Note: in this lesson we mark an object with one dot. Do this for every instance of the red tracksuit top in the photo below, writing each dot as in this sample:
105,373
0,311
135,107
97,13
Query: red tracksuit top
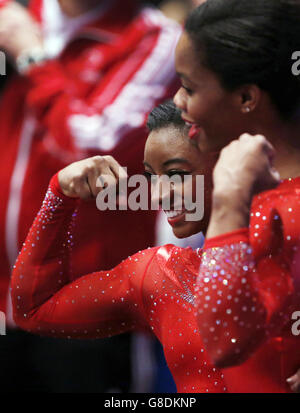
230,302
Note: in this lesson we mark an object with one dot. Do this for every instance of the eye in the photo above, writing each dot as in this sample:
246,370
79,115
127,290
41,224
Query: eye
148,175
152,178
188,90
173,172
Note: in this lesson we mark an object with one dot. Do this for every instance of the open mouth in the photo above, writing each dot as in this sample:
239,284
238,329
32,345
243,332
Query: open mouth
194,131
194,128
175,216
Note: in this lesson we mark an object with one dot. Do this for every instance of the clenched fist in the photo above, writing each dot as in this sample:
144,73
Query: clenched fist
245,168
85,179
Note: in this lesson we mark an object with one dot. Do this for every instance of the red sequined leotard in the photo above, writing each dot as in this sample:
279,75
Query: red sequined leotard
156,289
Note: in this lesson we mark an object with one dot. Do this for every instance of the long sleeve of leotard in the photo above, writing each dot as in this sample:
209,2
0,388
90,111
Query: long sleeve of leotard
46,302
247,283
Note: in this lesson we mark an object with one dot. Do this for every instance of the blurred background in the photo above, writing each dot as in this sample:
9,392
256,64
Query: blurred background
43,128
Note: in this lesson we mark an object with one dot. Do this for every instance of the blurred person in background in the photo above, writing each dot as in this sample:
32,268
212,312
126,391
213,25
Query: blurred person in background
80,65
178,10
254,41
196,3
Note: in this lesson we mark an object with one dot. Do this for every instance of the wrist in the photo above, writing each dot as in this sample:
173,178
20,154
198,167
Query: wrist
55,187
237,200
229,213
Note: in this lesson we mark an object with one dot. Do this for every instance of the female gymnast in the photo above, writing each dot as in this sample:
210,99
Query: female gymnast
237,61
154,289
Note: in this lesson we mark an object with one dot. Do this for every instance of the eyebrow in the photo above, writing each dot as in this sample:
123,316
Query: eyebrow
170,161
175,160
183,76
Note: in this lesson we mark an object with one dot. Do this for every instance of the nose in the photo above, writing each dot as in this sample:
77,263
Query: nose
161,193
179,99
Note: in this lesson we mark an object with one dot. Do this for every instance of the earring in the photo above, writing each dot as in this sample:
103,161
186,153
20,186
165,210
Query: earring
247,109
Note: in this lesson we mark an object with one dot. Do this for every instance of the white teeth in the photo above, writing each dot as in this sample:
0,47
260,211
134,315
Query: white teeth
173,214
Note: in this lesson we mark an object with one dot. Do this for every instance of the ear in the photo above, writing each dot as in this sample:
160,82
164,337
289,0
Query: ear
248,98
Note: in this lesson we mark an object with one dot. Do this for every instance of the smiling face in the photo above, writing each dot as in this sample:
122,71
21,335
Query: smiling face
204,101
169,152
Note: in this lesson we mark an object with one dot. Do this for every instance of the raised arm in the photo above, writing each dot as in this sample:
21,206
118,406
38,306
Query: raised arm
241,301
243,292
45,301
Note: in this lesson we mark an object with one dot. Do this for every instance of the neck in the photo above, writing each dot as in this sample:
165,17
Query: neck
285,137
74,8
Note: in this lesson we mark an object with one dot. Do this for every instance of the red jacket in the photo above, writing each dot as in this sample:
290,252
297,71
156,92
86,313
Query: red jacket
93,99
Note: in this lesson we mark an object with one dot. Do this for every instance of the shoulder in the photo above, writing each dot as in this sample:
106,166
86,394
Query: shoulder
175,261
167,258
161,255
287,191
173,270
141,257
276,211
172,253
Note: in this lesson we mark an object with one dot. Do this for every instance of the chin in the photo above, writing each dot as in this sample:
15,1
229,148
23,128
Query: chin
186,230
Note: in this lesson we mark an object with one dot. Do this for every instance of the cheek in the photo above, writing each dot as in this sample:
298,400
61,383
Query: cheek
177,195
207,106
189,191
198,108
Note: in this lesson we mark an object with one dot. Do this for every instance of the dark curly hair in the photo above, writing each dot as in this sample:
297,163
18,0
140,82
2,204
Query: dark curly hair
251,42
165,115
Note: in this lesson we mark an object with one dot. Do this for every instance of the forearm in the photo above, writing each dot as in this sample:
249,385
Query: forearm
48,302
230,212
43,265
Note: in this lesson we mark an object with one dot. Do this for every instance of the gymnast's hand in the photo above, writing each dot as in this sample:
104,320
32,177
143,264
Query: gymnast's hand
245,168
85,179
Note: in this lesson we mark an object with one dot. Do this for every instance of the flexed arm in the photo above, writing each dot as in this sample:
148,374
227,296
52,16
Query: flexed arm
240,302
45,301
242,295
